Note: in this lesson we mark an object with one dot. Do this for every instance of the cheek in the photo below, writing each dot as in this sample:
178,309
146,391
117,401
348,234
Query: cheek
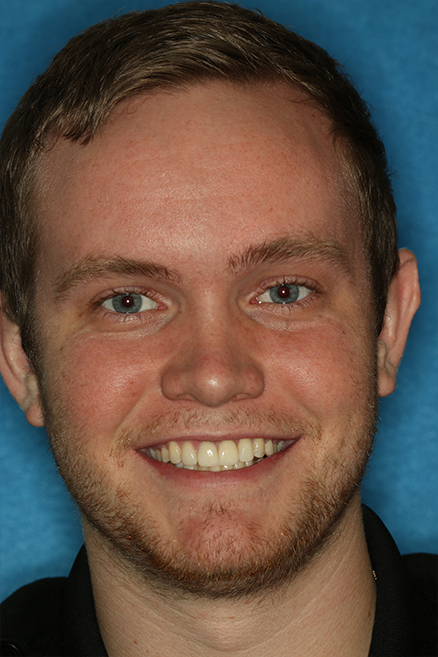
327,370
99,382
327,377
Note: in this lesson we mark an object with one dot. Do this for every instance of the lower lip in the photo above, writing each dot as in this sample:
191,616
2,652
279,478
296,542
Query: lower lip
204,479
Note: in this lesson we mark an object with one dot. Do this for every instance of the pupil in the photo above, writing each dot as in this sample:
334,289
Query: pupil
127,301
283,291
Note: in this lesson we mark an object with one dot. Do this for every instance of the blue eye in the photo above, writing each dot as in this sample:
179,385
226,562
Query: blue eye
284,293
129,303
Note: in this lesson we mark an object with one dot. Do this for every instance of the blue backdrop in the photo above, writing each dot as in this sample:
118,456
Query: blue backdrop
390,47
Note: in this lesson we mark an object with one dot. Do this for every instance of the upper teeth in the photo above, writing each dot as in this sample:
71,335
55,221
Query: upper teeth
216,456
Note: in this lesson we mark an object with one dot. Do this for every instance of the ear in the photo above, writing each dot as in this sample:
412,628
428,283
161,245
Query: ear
17,371
402,304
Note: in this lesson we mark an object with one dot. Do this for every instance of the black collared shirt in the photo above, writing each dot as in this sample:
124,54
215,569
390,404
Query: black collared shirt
56,617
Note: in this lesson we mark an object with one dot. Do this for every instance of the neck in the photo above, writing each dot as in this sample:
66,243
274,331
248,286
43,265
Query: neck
327,609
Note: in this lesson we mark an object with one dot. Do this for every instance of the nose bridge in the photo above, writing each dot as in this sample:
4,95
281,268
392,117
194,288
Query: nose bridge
212,364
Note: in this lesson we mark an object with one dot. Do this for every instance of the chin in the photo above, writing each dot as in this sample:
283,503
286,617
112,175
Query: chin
223,554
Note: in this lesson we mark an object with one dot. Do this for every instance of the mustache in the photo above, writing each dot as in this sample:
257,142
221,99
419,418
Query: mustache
282,424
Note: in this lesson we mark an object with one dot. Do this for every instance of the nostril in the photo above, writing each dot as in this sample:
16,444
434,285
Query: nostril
212,381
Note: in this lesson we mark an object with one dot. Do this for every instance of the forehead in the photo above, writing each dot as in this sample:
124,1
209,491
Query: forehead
212,161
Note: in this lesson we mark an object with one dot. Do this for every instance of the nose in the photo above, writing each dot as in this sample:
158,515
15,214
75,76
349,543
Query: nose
212,368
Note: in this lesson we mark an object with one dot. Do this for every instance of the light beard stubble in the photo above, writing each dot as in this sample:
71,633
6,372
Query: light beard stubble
268,564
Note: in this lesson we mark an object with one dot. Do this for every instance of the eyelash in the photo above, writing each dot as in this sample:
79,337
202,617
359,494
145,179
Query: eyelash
264,287
98,303
284,280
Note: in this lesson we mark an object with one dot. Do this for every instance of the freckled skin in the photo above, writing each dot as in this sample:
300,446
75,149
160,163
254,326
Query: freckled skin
187,180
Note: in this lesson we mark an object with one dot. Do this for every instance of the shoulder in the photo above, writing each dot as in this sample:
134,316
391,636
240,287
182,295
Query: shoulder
407,590
422,569
32,619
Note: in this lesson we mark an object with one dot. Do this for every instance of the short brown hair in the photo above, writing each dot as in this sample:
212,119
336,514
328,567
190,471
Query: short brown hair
170,47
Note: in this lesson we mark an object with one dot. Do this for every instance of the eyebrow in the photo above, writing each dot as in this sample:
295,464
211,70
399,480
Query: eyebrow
308,247
94,267
285,248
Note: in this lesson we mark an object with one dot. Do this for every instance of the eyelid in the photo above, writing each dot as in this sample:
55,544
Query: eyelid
299,281
98,302
146,300
303,293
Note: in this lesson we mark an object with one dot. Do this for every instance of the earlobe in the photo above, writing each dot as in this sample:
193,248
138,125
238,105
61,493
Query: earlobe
17,372
402,304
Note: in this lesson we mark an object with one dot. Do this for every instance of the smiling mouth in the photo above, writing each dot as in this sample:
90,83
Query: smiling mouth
215,457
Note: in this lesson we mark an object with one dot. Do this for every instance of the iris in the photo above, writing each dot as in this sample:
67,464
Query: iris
284,293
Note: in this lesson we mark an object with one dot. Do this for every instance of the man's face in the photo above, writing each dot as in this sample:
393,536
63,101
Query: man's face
202,294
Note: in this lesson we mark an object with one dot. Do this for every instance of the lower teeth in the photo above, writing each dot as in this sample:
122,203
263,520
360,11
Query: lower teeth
217,468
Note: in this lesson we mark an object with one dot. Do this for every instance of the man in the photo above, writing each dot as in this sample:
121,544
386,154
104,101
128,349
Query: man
202,300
